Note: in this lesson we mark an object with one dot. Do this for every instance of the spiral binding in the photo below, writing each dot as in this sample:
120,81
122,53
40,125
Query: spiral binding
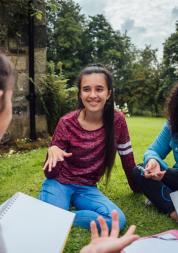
8,205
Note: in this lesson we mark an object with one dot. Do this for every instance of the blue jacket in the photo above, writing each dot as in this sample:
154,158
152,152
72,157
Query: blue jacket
161,147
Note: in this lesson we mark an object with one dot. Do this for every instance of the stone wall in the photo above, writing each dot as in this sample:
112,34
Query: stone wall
20,123
19,127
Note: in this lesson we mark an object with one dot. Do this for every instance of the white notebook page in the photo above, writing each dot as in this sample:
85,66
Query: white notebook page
32,226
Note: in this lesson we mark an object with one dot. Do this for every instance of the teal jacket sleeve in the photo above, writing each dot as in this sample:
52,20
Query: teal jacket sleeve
160,148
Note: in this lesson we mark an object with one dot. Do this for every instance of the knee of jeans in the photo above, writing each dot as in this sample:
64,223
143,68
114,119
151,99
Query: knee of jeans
51,194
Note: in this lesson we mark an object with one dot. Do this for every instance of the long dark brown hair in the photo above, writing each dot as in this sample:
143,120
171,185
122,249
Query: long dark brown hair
172,110
6,72
108,115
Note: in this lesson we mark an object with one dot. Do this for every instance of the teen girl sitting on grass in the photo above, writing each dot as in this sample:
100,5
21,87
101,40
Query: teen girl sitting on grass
83,149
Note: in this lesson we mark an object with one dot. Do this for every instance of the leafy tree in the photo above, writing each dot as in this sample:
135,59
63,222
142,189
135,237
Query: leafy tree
143,87
98,34
65,28
170,63
171,51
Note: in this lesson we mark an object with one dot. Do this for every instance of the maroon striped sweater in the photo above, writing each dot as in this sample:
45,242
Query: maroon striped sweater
87,147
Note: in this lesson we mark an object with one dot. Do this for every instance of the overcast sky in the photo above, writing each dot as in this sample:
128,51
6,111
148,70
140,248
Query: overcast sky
146,21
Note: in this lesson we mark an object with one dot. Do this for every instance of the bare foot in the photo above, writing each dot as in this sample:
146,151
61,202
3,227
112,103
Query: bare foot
174,216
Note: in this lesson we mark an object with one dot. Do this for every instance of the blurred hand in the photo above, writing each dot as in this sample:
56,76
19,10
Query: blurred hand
153,171
109,243
55,155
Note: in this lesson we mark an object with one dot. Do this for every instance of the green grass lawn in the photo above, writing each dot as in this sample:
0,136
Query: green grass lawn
23,172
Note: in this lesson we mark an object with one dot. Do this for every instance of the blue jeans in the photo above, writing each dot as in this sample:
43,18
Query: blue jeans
88,201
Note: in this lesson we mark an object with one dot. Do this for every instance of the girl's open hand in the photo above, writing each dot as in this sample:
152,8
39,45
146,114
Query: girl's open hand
109,243
55,155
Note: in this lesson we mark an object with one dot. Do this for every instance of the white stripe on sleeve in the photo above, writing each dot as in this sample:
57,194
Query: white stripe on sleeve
125,145
125,152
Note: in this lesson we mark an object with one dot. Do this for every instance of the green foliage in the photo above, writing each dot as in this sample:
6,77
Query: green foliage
56,98
98,33
171,50
65,28
23,172
14,16
170,63
141,90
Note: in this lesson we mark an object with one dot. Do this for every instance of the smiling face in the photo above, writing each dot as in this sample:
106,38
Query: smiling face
94,92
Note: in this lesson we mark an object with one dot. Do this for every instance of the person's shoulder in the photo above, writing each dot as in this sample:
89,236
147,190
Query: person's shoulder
166,126
70,116
119,116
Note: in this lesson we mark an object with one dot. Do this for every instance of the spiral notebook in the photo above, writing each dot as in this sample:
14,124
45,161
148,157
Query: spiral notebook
28,225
